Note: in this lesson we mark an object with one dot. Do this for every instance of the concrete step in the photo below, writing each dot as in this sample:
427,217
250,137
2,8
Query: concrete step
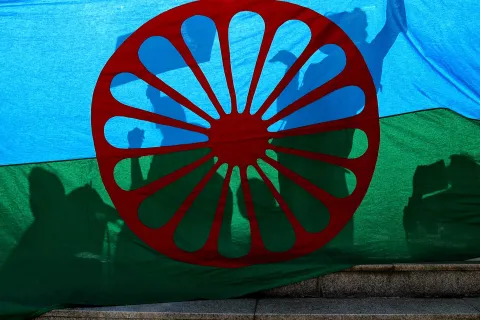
399,280
287,309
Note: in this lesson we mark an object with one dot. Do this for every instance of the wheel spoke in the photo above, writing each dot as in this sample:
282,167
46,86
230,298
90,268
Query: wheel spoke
297,227
346,123
262,57
223,38
342,162
257,242
336,83
185,52
142,73
327,199
161,183
212,242
123,110
288,77
321,35
172,225
142,152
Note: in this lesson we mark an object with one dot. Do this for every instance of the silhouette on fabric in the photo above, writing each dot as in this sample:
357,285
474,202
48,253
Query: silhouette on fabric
199,34
337,105
442,216
64,255
158,209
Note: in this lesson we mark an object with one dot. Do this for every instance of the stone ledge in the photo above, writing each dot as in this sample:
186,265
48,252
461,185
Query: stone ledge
286,309
416,267
241,309
400,280
370,308
305,289
401,284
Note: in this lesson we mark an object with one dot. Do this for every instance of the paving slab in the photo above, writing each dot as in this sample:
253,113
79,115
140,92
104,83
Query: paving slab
474,302
241,309
370,308
287,309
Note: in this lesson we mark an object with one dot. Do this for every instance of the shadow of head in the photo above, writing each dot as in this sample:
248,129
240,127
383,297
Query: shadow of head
164,105
46,192
353,23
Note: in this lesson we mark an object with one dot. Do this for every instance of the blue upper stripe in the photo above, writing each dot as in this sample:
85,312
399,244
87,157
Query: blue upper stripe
53,51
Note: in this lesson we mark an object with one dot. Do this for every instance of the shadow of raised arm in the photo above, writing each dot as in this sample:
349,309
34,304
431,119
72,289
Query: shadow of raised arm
395,23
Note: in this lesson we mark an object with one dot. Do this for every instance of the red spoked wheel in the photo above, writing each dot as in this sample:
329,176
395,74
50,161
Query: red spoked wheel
236,139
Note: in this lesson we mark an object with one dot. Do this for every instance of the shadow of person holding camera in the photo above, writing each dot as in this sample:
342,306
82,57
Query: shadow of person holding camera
64,255
442,219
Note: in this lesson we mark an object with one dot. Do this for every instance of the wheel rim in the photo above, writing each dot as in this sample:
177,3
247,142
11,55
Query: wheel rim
168,25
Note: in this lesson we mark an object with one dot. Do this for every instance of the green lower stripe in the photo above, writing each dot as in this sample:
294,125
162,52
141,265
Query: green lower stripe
63,243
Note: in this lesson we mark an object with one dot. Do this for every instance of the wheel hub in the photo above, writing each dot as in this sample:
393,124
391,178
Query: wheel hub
239,139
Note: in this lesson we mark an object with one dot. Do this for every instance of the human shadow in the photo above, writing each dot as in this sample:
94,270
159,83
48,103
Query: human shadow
337,105
442,220
199,35
64,255
156,210
276,231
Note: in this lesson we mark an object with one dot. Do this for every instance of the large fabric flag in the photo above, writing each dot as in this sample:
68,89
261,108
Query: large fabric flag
155,151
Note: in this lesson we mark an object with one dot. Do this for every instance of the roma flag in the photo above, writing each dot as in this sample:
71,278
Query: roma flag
162,151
